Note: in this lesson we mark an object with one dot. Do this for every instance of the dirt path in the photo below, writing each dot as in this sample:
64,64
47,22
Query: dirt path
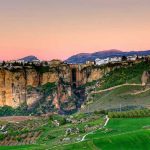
14,119
115,87
140,92
106,122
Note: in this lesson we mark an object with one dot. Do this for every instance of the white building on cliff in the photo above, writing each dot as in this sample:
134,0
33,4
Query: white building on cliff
99,61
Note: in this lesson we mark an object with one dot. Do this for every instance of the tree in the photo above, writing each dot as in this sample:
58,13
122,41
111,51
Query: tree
124,58
3,63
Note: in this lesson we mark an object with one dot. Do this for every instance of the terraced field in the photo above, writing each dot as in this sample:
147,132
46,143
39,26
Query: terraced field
20,131
43,134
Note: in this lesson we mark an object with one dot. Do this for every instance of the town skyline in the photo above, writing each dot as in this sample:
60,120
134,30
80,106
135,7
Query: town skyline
115,53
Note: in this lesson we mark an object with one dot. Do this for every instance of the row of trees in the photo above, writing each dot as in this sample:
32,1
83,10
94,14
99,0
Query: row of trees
130,114
9,111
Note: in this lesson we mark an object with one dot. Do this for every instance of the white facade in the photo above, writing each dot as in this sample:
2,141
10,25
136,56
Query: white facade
131,58
102,61
90,62
116,59
140,57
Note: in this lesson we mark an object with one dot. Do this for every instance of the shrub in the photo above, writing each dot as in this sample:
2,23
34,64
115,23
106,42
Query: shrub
2,137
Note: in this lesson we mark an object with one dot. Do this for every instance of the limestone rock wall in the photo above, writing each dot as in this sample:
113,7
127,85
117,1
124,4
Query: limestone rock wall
20,86
14,84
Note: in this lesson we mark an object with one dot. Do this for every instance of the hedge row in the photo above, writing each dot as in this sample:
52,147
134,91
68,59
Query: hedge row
130,114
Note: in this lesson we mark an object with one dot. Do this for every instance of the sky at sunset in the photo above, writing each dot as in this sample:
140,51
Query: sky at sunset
60,28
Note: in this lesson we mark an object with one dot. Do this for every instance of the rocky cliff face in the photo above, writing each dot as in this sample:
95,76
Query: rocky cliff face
49,87
15,82
12,87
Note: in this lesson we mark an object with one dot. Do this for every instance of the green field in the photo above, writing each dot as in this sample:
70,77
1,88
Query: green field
122,134
50,135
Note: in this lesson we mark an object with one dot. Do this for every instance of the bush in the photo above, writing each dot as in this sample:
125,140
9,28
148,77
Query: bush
9,111
2,137
122,75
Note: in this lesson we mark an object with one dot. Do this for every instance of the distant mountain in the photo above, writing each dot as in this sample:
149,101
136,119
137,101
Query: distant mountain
83,57
29,58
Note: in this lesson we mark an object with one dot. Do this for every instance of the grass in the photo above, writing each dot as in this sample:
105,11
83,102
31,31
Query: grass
131,74
114,98
119,126
122,95
139,140
125,134
52,136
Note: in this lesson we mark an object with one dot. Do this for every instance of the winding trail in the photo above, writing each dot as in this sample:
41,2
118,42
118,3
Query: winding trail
115,87
106,122
140,92
83,138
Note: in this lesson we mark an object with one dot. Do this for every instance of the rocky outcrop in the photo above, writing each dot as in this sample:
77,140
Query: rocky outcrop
33,78
12,87
15,83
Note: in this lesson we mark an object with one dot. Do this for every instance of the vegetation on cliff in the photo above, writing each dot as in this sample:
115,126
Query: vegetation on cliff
9,111
130,74
125,96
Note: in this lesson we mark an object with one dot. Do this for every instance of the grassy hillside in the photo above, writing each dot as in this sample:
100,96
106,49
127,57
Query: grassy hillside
122,96
125,134
130,74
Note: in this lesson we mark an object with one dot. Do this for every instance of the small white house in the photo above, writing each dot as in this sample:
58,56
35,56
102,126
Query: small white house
88,62
116,59
132,58
102,61
140,56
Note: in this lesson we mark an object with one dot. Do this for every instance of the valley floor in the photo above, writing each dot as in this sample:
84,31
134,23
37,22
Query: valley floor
119,134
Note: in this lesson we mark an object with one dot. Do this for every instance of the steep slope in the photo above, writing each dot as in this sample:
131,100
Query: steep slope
130,93
35,87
